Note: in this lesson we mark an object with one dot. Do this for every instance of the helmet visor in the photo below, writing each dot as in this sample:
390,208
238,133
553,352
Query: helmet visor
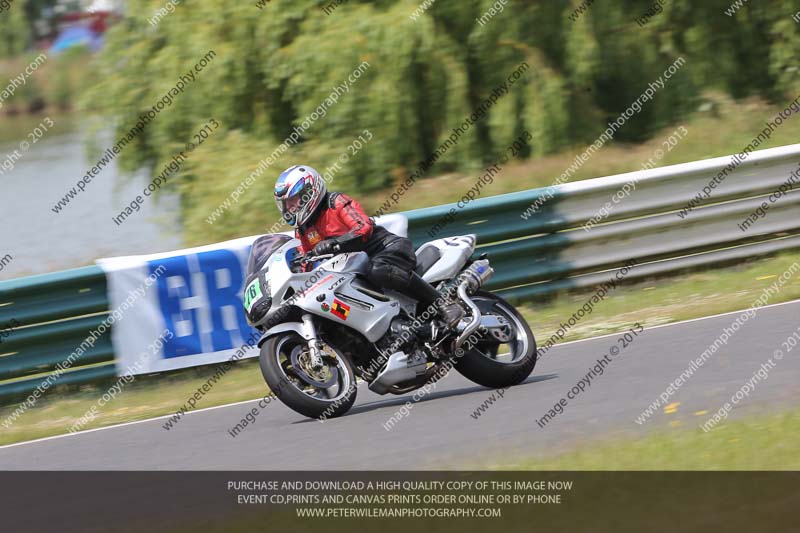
291,205
296,199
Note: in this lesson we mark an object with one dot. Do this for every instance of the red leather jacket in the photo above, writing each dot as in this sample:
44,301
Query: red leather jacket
338,216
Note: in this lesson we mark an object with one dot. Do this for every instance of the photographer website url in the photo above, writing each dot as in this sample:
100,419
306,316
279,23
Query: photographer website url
321,111
22,79
737,159
762,210
144,119
585,310
634,109
481,111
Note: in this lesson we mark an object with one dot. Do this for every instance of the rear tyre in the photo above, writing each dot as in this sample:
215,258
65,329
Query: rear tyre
327,393
488,363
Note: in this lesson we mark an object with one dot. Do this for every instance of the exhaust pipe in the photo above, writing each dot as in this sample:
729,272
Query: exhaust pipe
473,277
476,315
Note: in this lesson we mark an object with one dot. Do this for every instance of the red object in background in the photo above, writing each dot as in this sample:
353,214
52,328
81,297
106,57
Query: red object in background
98,21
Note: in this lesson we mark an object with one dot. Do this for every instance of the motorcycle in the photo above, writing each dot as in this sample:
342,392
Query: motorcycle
324,325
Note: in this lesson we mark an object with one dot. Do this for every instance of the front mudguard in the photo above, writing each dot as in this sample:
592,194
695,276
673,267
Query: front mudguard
297,327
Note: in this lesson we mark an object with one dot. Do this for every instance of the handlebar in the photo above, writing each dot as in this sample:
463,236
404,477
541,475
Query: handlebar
311,258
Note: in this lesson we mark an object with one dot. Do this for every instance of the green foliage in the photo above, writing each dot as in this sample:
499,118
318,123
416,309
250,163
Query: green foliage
15,32
30,96
63,87
68,67
275,66
784,54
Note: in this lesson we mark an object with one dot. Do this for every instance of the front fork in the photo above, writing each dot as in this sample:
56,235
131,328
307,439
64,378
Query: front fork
310,334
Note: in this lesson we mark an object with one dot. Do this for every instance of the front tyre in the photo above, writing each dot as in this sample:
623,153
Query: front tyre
499,364
325,393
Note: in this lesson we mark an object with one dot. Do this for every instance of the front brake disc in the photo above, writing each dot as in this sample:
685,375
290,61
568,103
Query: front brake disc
300,372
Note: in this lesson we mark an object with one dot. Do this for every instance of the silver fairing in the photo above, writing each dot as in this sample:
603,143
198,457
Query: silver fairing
334,292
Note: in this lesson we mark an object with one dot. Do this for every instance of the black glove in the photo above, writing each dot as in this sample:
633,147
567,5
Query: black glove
328,246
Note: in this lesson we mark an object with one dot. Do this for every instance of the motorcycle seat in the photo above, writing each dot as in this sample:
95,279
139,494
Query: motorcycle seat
426,258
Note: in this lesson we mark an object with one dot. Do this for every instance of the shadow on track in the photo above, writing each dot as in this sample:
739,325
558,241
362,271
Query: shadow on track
400,400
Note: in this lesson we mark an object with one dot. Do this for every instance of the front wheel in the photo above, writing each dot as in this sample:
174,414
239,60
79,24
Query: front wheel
325,393
496,364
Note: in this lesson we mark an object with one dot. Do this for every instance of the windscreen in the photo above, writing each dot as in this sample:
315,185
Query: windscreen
262,249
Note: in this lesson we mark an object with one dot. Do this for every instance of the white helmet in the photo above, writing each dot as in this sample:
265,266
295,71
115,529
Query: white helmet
298,193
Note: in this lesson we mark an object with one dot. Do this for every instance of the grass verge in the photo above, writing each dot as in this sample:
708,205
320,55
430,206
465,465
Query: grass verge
145,397
754,443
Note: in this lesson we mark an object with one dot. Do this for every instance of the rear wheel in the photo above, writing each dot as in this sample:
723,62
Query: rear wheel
324,393
497,364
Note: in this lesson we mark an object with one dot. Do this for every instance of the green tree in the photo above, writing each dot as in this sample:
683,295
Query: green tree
15,34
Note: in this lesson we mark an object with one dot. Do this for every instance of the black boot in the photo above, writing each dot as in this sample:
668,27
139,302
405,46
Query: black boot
428,296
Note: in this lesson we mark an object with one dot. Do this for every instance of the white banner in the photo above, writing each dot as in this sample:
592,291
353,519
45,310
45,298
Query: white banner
192,295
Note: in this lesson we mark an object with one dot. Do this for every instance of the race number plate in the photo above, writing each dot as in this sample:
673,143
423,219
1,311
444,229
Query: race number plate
252,294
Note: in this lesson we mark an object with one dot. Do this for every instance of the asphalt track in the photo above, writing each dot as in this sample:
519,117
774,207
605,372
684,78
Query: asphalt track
439,432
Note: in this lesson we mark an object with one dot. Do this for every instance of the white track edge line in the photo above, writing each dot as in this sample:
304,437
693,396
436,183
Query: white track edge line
687,321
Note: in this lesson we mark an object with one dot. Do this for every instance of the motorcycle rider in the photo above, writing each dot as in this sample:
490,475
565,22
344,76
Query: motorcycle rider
331,222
